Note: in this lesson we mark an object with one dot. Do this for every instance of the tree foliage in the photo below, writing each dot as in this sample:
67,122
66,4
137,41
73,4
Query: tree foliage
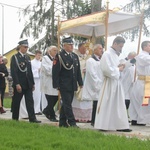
42,19
139,6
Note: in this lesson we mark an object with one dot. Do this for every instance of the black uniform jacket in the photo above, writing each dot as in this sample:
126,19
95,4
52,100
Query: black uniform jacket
21,71
3,69
66,71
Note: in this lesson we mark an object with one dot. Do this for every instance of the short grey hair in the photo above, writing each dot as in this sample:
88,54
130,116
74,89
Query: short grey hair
96,46
48,49
132,54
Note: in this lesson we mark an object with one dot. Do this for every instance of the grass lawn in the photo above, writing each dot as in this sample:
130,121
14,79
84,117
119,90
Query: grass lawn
29,136
7,102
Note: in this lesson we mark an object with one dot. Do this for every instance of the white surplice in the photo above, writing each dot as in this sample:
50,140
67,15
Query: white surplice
36,65
93,80
112,114
46,77
136,110
127,79
23,110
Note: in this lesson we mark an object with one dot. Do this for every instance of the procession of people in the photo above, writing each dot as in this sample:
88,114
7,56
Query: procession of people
98,88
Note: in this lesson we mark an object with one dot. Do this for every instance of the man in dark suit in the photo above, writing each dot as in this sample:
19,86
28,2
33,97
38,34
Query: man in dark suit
23,82
66,74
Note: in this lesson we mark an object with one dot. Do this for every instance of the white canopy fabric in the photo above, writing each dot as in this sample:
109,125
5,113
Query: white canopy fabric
94,24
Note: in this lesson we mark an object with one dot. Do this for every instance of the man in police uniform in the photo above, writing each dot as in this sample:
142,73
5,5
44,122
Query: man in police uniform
23,82
66,74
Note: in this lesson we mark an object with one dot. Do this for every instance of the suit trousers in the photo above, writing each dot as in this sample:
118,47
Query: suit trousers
51,101
28,101
2,95
94,111
66,113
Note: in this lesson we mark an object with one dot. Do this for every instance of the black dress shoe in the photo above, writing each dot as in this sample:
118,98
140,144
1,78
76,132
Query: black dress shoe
92,124
134,123
124,130
35,121
46,115
64,125
39,113
53,120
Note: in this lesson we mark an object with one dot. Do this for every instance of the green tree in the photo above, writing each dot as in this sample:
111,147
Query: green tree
139,6
43,19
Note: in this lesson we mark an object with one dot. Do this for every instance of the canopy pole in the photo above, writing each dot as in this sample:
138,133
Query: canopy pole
58,32
139,40
106,23
58,38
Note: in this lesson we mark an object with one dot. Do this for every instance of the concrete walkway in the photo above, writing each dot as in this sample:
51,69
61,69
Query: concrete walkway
142,132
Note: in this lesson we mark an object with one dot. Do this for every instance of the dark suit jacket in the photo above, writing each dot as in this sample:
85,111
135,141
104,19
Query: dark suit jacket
3,69
18,73
66,79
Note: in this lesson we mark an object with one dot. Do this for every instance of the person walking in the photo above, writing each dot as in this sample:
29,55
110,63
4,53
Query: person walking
66,74
23,82
111,110
51,94
3,74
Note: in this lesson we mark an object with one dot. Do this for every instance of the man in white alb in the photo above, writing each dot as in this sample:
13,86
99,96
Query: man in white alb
111,111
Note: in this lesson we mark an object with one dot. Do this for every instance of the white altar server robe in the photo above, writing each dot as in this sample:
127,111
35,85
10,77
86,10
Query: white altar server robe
37,96
136,110
46,77
112,114
93,80
127,79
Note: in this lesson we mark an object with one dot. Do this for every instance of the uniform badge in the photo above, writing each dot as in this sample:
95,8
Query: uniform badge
54,62
65,54
67,64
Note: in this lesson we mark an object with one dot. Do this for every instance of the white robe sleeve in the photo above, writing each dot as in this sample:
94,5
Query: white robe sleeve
46,66
35,68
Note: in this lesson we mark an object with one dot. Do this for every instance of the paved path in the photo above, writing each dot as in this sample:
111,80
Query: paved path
142,132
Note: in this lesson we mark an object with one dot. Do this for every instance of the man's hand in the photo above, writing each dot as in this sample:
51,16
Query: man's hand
121,67
81,87
33,88
3,74
19,89
84,70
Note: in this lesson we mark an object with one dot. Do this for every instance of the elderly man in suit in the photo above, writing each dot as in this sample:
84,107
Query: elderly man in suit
66,74
23,82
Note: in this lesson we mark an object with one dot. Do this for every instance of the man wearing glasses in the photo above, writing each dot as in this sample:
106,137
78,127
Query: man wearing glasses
23,82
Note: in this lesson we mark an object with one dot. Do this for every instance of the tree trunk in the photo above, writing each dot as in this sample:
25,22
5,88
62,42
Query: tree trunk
96,6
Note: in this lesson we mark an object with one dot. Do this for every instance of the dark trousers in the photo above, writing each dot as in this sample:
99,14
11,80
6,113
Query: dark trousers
127,103
66,113
2,95
51,102
94,111
28,101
